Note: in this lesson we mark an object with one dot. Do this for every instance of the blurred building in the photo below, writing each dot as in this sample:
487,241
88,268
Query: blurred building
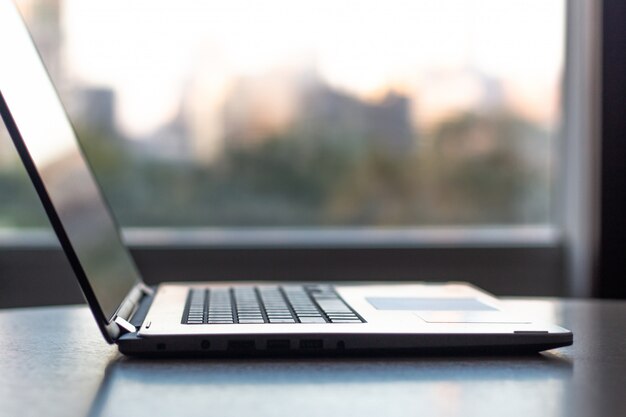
384,124
303,107
94,108
171,142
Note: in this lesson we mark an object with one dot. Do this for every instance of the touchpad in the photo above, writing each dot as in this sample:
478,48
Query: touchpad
428,304
445,309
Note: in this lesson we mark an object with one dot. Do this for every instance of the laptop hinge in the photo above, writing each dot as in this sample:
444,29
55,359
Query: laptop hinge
130,305
145,289
125,325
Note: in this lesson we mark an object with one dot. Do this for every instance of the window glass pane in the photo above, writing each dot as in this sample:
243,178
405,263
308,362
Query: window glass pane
308,113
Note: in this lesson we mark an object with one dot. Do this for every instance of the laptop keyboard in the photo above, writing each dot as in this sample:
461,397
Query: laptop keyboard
267,304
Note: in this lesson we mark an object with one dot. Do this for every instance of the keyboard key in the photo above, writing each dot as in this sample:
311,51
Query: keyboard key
355,320
312,320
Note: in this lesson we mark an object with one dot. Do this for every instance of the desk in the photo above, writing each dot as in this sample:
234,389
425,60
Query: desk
54,362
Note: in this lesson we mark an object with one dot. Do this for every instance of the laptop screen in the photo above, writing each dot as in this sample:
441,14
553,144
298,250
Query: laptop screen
58,167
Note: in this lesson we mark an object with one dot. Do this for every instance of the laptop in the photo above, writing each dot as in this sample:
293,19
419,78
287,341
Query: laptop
225,318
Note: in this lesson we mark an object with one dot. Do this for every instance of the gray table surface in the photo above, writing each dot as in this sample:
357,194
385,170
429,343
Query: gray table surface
54,362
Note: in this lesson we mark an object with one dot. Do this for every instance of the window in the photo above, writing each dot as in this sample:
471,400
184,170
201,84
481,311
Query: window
330,124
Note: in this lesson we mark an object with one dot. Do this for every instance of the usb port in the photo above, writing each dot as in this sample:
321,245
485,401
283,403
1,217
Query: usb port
278,344
311,344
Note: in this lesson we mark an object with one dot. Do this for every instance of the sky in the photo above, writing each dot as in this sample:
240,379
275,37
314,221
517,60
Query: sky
151,51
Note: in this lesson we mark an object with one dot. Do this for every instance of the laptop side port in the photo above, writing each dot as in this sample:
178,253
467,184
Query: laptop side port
241,345
311,344
278,344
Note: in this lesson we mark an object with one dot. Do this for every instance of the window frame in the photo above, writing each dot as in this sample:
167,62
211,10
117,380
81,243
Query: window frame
610,282
503,261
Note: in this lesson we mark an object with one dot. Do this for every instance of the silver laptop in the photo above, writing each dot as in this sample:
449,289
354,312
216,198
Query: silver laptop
213,318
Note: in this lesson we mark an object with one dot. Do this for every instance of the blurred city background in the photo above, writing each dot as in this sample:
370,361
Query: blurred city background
305,114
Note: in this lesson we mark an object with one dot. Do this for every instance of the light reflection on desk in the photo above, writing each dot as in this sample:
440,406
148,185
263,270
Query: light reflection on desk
340,386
